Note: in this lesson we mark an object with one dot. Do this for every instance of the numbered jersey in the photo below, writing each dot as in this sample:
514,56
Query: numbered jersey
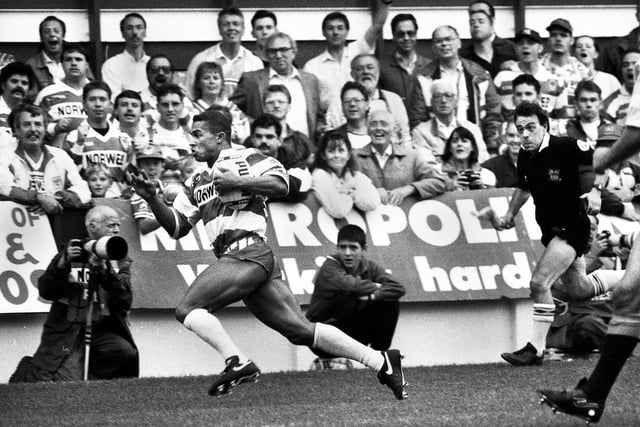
224,224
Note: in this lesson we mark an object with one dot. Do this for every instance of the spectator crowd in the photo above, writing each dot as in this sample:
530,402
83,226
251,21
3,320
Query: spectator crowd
351,127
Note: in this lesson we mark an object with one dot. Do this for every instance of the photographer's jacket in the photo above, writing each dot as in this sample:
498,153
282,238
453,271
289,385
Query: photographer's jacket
66,319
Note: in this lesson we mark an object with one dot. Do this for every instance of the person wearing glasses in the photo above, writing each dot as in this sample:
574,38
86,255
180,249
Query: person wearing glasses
478,100
306,110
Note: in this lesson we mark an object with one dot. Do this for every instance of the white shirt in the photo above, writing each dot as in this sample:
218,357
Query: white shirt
382,158
123,71
333,74
457,80
297,115
232,68
55,68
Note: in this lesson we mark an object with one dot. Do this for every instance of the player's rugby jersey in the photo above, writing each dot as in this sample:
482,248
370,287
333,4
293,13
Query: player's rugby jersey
223,225
60,100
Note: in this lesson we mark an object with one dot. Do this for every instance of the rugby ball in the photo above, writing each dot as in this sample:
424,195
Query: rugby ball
235,163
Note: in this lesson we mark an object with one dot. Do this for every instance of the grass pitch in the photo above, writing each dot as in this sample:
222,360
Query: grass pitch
473,395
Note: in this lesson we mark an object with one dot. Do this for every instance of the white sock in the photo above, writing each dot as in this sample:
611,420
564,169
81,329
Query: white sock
542,319
210,330
604,280
333,341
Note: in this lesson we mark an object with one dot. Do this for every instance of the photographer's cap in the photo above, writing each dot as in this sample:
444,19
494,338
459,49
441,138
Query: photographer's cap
562,24
528,33
150,152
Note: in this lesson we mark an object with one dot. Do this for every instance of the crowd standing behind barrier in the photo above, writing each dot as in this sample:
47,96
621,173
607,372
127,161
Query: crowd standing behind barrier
397,112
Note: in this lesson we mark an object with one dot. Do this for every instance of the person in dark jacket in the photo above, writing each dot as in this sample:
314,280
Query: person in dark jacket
356,294
61,353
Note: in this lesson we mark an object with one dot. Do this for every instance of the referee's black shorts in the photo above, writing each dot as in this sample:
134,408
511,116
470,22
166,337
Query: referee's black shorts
577,234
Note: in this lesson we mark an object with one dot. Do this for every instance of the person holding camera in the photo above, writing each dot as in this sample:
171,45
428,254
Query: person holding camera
460,162
91,296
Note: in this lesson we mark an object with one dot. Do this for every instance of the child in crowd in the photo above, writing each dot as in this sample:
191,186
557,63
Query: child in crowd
100,181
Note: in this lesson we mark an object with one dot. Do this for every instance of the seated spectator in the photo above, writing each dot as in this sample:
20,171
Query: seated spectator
97,141
529,47
265,136
586,50
47,63
100,181
616,105
485,47
356,294
478,101
333,66
63,100
397,171
209,90
17,86
398,70
566,70
460,162
365,70
151,161
504,165
337,184
277,102
307,112
588,100
168,133
355,107
127,118
43,177
433,133
229,52
61,353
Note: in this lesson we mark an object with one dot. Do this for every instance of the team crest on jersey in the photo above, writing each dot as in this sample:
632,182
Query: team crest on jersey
583,145
36,181
554,175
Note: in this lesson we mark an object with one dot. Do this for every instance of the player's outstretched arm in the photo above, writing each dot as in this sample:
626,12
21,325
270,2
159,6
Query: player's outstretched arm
147,189
625,147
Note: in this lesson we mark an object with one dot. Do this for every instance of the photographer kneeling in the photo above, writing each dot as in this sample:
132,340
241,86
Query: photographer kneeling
73,325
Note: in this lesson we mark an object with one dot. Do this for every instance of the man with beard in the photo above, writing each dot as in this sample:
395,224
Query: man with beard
63,101
47,63
127,117
265,136
229,53
42,177
17,82
127,70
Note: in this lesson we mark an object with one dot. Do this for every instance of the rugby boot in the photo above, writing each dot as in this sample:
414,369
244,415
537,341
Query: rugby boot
391,373
234,374
573,402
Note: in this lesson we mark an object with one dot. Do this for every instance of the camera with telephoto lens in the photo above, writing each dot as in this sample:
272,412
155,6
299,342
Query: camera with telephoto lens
107,247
